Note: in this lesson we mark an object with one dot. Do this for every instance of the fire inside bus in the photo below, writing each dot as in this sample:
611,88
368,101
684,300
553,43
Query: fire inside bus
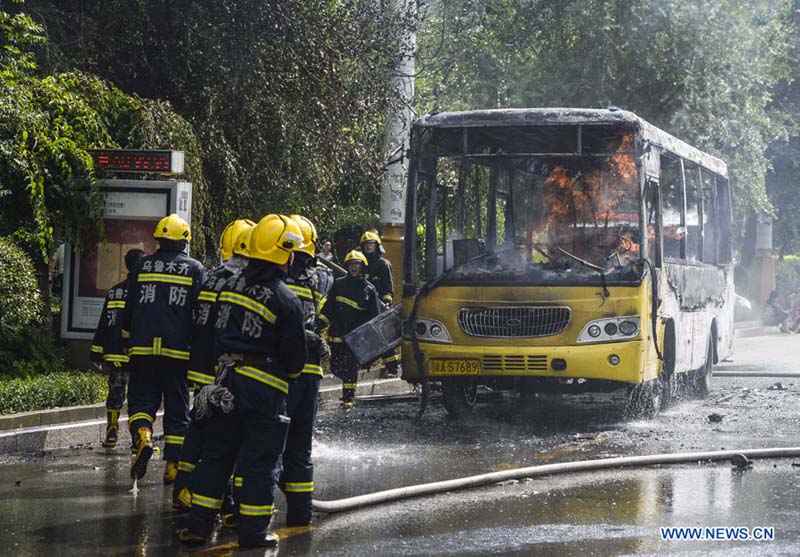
532,240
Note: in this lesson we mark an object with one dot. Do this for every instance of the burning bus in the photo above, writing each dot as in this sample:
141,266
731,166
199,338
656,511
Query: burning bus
564,249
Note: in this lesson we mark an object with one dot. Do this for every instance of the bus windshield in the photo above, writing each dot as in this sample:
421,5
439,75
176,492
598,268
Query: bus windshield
535,219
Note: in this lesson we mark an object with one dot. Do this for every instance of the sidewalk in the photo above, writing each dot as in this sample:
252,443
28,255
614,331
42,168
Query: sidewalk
84,426
746,329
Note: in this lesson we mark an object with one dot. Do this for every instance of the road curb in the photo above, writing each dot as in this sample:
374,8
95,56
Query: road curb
84,426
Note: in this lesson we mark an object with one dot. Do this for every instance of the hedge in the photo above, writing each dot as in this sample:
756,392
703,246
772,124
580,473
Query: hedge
20,300
53,390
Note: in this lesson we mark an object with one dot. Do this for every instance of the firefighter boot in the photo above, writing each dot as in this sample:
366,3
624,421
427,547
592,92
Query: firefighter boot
230,520
144,450
170,472
112,428
188,538
298,509
183,503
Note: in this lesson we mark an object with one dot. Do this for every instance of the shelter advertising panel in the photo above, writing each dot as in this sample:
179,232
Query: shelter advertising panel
132,210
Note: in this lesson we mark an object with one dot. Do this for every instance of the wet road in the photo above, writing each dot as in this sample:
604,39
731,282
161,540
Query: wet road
77,503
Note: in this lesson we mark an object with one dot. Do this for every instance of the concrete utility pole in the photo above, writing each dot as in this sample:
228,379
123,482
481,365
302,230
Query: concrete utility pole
762,271
396,144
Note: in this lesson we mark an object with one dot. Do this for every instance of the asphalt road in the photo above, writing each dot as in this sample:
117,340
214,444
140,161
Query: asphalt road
78,502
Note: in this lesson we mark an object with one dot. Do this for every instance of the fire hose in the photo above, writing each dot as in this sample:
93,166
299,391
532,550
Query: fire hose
388,496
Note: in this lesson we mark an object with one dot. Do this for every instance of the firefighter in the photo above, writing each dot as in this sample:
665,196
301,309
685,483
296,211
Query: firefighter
297,477
108,349
352,301
158,316
379,273
260,343
234,243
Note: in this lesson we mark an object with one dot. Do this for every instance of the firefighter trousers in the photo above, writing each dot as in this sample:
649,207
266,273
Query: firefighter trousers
297,476
190,453
153,378
345,366
117,384
252,437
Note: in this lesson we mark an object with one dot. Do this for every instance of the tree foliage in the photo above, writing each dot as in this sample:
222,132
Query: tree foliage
703,70
783,181
287,96
47,122
20,300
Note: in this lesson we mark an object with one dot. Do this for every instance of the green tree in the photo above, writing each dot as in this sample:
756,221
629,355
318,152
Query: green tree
287,96
783,181
703,70
47,184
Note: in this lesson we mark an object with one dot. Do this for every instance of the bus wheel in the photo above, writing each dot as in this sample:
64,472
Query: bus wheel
459,396
644,400
700,381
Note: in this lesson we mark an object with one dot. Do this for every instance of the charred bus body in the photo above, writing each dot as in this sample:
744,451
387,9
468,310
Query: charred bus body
570,249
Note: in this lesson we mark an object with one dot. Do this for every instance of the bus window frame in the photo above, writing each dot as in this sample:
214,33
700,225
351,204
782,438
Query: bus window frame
653,185
425,170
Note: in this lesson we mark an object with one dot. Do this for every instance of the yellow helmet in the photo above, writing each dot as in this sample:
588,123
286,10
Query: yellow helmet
173,227
370,237
274,238
355,255
242,244
231,233
309,231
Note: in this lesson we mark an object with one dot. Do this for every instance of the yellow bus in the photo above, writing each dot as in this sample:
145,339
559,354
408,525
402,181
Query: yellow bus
563,249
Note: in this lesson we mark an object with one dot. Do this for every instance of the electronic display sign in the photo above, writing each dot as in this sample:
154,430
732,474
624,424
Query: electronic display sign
128,160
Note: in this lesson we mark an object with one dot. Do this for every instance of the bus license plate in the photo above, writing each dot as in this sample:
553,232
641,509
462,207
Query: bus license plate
455,367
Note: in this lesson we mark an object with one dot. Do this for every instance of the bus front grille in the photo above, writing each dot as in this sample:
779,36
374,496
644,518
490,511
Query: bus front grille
514,322
513,363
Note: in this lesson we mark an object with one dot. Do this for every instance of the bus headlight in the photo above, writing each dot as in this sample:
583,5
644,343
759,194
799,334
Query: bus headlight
628,327
428,330
610,329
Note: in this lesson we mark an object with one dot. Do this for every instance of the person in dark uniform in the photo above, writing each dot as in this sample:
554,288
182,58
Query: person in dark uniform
233,243
352,301
260,343
297,476
379,273
158,316
108,349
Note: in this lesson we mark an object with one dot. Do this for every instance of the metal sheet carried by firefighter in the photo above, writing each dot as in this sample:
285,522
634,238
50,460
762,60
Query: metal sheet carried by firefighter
375,338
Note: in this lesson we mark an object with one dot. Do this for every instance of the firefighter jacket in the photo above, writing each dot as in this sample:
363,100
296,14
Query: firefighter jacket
108,344
203,314
324,280
379,273
351,302
158,314
259,317
305,286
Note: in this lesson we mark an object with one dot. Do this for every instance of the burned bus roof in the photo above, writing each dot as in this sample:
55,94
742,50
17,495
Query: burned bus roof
573,116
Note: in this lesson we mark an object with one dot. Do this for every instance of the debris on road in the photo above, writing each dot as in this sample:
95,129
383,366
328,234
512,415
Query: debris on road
715,418
776,387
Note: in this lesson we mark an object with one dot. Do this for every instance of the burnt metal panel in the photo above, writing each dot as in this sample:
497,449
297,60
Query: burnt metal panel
696,286
574,116
376,337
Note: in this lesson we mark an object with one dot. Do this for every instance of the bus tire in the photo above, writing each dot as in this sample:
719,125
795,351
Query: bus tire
669,390
644,400
459,396
700,381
